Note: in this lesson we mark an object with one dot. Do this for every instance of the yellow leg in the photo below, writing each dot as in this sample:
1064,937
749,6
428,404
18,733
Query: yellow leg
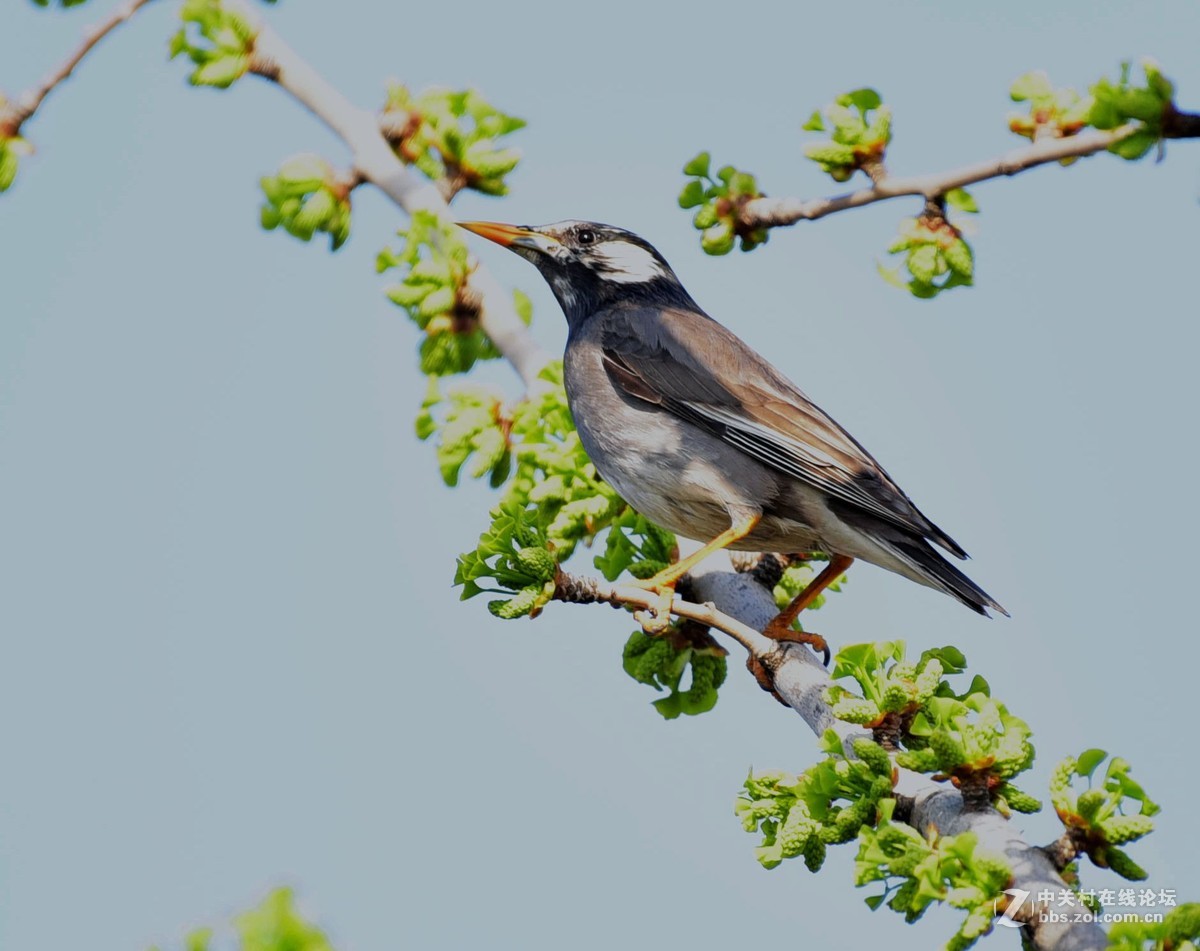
664,582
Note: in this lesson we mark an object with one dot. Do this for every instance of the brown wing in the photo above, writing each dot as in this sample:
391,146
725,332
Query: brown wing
690,365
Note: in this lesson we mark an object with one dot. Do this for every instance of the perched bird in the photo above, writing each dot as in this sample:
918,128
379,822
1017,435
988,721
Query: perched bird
704,437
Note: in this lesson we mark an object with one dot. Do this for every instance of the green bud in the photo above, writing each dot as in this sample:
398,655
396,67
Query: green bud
315,211
538,562
525,601
1121,829
874,755
856,710
1124,866
958,256
830,153
705,217
718,239
923,263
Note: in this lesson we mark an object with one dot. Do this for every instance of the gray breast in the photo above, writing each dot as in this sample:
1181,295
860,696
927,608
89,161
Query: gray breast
678,476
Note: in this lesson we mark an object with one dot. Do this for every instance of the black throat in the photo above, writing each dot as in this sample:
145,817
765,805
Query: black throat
581,292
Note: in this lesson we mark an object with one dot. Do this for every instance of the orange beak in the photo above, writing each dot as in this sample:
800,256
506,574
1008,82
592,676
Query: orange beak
514,238
503,235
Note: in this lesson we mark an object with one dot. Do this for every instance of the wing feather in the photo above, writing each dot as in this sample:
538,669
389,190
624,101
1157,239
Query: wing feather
690,365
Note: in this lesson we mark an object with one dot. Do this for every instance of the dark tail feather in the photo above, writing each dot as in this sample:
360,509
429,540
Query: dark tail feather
942,575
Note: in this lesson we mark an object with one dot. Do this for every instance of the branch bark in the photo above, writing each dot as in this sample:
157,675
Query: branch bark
778,212
20,110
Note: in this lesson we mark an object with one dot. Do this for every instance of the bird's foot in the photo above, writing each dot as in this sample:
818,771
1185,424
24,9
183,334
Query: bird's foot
779,630
657,617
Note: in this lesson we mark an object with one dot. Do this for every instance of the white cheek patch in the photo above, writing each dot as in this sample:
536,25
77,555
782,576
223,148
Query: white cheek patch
626,263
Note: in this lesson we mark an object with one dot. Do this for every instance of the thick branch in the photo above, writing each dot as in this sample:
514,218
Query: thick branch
375,161
775,212
745,609
25,105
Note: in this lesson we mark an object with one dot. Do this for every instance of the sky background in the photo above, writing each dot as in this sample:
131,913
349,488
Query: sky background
230,654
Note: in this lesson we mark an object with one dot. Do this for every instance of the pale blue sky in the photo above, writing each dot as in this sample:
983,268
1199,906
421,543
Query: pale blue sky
232,657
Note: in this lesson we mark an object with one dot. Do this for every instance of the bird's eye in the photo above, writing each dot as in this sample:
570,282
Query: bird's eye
586,236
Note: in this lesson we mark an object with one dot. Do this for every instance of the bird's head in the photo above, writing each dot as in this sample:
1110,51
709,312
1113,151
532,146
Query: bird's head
589,265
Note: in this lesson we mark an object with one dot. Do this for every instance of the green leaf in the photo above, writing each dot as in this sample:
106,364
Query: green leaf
698,166
1134,145
1088,760
862,99
1031,85
815,122
692,194
922,263
962,200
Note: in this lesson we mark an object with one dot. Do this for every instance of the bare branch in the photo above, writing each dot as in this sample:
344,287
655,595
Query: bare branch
376,163
776,212
26,104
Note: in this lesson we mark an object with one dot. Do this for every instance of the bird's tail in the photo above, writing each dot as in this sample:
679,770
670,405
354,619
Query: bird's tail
932,569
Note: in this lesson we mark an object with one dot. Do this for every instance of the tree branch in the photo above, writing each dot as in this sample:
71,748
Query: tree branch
734,603
745,609
376,163
777,212
19,111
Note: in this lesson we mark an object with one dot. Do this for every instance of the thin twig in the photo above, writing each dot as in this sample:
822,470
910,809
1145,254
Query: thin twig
26,104
776,212
581,589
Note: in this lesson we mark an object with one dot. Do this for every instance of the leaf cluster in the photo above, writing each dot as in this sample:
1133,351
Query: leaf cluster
554,489
305,198
518,558
827,804
718,200
275,925
663,662
1115,103
860,128
1178,931
918,872
218,41
969,739
471,425
1058,112
936,256
435,266
1100,818
452,136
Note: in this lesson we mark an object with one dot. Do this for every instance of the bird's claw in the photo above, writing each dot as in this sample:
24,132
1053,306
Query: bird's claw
786,633
657,617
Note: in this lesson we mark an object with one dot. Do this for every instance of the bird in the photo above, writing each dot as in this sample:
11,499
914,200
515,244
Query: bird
704,437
